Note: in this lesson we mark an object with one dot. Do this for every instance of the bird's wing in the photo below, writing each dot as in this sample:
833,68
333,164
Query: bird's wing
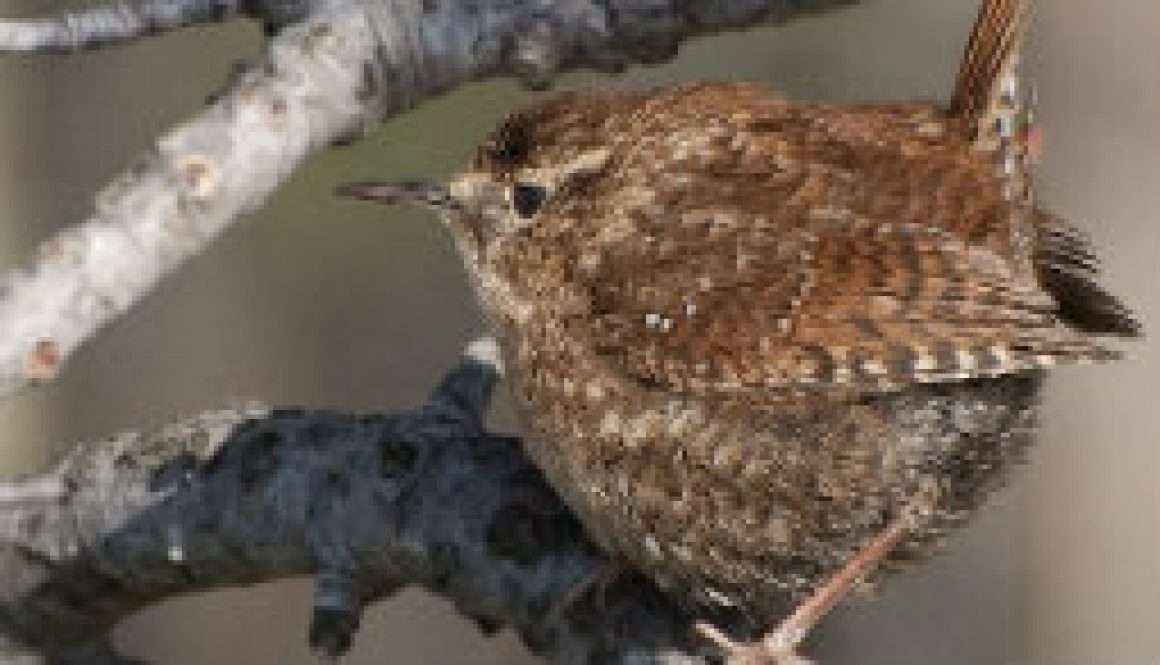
870,306
746,242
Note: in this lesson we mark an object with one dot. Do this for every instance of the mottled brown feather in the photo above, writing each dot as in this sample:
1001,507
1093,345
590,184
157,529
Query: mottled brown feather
799,245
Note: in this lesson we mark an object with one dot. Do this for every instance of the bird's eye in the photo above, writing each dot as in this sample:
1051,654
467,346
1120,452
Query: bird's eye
528,198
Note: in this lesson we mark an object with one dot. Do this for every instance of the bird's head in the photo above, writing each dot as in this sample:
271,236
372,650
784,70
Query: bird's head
536,162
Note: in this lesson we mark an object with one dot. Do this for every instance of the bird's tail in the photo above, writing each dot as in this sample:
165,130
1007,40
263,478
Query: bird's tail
988,75
990,97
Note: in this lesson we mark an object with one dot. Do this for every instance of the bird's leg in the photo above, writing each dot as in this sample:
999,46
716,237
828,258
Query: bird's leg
779,646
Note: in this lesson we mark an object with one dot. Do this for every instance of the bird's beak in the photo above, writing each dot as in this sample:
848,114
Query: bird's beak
422,193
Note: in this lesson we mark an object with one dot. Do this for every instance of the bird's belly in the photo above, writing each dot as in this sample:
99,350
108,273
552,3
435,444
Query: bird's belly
747,501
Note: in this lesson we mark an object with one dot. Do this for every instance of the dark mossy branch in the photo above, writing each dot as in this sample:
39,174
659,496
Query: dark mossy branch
366,504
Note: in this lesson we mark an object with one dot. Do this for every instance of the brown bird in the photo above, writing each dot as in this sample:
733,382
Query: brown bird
760,345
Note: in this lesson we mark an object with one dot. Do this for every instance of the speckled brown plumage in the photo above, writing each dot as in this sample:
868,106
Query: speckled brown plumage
745,332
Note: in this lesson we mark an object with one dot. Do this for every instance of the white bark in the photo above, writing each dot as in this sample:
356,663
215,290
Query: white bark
117,21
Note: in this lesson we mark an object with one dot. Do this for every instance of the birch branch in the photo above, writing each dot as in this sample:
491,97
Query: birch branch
331,70
365,504
117,21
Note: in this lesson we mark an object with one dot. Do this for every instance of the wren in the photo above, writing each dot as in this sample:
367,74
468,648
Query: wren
748,336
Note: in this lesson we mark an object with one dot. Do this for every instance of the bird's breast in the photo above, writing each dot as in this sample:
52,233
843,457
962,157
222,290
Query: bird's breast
748,500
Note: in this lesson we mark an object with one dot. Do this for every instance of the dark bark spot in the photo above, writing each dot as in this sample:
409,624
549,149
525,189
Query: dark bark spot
31,524
320,434
247,427
603,654
99,584
486,449
206,525
214,463
373,419
70,490
173,472
245,431
536,640
486,625
254,472
444,565
331,631
396,458
657,49
219,11
291,413
265,442
260,459
68,591
524,535
368,87
338,484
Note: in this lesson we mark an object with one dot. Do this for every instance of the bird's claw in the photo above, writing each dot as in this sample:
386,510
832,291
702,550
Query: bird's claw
776,648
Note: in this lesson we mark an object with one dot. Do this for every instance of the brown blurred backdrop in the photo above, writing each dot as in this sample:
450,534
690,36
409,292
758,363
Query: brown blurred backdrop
324,303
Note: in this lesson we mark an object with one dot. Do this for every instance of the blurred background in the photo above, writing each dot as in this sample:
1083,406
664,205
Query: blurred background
325,303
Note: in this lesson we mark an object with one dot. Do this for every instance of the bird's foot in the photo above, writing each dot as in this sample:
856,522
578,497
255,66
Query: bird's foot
775,648
779,647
